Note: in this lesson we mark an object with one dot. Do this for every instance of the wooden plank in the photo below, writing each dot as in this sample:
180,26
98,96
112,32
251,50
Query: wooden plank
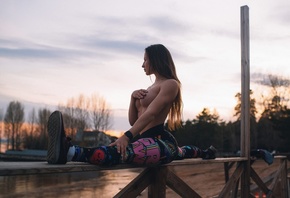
157,187
266,180
259,182
179,186
226,171
235,193
245,83
277,186
137,185
227,167
230,185
28,168
195,161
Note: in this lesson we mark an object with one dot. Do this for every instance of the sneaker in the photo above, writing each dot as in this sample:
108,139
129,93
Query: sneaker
209,153
58,143
264,154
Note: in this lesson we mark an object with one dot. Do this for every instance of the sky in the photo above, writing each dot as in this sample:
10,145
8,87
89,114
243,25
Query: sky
51,51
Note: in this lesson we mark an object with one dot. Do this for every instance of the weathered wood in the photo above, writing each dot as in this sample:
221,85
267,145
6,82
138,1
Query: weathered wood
284,177
259,182
30,168
137,185
230,185
155,177
245,100
235,193
195,161
245,83
157,188
288,177
279,184
227,167
179,186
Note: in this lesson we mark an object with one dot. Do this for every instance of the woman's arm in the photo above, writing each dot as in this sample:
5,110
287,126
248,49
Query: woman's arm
133,110
165,97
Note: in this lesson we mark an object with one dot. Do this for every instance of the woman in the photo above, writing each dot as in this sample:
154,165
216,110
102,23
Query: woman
149,108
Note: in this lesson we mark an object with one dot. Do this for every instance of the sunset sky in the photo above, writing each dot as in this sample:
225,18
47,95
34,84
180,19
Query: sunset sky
51,50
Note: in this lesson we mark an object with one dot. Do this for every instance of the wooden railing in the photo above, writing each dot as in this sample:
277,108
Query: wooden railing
157,178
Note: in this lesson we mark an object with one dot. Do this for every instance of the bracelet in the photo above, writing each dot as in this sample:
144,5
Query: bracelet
129,135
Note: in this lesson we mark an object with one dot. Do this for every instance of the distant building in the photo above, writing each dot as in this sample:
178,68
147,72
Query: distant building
92,138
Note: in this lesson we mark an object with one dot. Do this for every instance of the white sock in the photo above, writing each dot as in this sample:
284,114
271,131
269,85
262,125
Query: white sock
71,153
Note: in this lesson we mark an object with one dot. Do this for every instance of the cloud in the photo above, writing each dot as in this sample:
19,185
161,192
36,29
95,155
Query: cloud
283,16
131,34
166,24
270,80
50,51
22,49
113,45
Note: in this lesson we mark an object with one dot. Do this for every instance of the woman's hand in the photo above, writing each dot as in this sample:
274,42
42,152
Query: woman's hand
121,144
139,94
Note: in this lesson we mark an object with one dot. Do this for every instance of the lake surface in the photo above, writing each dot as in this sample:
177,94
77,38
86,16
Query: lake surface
98,184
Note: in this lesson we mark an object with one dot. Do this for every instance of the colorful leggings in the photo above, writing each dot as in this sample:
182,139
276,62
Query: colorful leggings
154,146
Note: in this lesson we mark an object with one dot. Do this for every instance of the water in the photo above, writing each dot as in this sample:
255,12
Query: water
98,184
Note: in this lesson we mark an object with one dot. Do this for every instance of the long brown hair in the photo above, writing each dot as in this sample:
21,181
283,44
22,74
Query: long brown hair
161,62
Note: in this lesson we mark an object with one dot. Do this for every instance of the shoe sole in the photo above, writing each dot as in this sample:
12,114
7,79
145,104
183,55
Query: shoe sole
214,150
55,127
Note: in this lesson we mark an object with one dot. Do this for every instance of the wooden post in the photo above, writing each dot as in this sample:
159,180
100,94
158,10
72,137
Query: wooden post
157,188
245,100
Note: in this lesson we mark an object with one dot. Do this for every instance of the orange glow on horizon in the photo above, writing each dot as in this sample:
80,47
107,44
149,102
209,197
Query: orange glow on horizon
114,133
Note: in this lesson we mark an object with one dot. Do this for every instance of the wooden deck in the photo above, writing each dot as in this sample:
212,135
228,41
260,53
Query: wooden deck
29,168
157,178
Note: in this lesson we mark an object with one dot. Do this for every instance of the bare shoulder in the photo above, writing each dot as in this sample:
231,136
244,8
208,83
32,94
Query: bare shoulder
170,83
170,86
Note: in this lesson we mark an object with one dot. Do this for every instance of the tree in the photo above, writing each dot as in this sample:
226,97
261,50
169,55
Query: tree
85,112
253,109
283,125
43,116
100,113
186,135
253,121
208,128
31,122
31,138
272,122
1,128
75,114
277,98
13,121
69,116
82,114
207,117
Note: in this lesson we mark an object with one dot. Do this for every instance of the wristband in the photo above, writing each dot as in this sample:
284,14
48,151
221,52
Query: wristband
129,135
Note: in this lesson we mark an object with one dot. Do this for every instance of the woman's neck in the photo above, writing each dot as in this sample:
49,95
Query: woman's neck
159,79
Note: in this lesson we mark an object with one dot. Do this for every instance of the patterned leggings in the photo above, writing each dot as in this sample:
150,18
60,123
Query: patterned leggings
154,146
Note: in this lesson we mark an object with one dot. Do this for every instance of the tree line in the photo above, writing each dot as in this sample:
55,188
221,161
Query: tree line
79,113
271,130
